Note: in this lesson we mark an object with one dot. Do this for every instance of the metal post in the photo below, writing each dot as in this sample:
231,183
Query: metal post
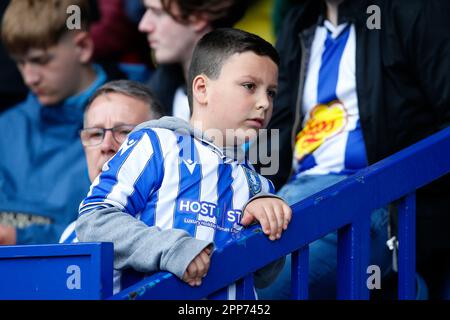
299,273
353,259
407,247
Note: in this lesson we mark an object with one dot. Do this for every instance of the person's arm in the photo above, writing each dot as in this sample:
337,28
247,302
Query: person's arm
119,194
271,211
136,245
274,216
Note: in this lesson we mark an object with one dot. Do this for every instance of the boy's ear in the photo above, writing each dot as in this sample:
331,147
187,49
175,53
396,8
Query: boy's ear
200,89
84,45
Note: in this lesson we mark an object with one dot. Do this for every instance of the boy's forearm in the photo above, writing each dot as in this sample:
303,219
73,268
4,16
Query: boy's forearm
136,245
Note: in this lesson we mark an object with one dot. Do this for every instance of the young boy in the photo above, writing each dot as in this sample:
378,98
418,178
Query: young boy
174,188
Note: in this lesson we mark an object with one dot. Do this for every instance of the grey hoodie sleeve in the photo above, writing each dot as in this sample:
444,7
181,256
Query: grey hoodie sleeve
136,245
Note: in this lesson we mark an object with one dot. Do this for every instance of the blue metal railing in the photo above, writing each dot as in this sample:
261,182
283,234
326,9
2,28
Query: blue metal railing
351,201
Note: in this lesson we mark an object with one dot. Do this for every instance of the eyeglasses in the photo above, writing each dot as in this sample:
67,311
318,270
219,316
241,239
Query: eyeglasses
94,136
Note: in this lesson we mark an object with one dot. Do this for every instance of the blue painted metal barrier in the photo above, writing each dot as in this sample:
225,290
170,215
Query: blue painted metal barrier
351,201
56,272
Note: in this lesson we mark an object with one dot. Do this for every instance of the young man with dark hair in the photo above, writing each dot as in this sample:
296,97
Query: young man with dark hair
173,28
175,189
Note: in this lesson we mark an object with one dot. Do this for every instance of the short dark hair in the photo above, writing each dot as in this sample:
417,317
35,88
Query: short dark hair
131,89
220,13
217,46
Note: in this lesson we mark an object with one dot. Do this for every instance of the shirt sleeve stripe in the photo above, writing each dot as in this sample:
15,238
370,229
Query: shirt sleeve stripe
118,180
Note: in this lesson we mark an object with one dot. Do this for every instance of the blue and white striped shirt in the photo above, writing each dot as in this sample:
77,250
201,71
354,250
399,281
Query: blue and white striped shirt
176,181
331,140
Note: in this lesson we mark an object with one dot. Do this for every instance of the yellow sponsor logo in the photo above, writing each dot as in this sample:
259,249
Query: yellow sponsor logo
325,121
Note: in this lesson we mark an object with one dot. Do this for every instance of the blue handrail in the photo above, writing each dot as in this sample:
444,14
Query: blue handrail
351,201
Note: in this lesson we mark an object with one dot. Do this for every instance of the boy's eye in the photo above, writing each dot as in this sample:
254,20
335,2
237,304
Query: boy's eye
272,93
249,86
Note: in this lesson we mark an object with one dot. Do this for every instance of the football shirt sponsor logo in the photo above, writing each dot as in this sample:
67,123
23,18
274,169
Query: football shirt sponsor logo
325,121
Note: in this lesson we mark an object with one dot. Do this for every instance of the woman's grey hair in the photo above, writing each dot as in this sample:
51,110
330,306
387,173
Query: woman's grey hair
131,89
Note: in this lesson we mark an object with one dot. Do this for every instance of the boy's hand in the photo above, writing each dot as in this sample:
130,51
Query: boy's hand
273,214
198,268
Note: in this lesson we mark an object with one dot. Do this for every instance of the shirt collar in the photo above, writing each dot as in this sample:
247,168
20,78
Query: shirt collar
335,30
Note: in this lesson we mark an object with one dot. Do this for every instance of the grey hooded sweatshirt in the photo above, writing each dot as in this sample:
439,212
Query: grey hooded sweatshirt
149,248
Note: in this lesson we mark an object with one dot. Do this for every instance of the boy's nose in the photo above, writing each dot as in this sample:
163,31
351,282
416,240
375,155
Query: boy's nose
263,102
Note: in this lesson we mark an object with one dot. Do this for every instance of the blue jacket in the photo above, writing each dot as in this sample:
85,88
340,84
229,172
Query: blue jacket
43,170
